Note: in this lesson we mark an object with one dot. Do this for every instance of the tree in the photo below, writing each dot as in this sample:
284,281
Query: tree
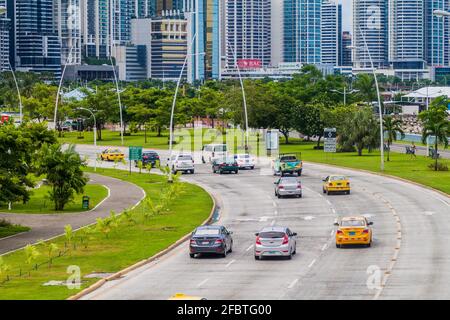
365,83
392,128
311,120
64,174
436,124
360,129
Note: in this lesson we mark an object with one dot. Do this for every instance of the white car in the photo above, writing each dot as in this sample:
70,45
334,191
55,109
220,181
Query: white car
245,161
214,151
183,163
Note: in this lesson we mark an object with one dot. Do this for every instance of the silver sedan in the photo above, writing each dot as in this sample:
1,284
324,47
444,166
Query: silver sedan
275,242
288,186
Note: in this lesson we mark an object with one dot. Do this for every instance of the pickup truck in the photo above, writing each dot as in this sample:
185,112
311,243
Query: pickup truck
288,164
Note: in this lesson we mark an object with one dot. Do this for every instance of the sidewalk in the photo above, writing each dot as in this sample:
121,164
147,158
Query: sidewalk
122,195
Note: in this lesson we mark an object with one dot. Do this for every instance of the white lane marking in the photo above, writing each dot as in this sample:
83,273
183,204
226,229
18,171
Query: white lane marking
332,232
276,212
312,263
333,210
293,283
202,283
274,204
428,213
230,263
249,248
307,218
273,223
263,219
325,246
367,215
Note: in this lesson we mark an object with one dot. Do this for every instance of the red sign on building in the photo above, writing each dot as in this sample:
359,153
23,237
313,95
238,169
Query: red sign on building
249,64
4,118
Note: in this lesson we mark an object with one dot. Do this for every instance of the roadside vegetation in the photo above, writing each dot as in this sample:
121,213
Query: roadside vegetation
169,212
7,229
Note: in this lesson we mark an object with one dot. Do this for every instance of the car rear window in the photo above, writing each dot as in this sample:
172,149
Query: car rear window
184,158
337,178
271,235
289,180
207,232
244,156
220,148
289,158
353,223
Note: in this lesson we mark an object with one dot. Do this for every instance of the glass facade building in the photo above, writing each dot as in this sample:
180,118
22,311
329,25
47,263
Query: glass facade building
5,25
302,31
331,33
436,33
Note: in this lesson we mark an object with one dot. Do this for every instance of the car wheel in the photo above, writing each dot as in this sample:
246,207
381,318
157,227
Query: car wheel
225,251
338,245
295,250
231,248
369,244
192,171
257,258
192,255
348,192
289,257
252,167
237,172
279,196
324,191
300,196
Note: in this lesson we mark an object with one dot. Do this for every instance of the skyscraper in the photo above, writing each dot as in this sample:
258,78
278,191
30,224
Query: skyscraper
247,31
346,50
302,35
406,38
5,24
331,33
95,28
69,30
121,13
436,33
370,21
37,44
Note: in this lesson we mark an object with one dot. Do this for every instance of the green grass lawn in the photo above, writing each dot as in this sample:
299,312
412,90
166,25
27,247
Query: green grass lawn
7,229
40,203
401,165
124,246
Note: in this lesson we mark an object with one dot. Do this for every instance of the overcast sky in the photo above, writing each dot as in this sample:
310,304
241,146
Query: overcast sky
347,15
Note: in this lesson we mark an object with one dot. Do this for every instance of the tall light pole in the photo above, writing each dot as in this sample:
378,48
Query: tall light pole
3,11
378,96
68,60
345,92
95,123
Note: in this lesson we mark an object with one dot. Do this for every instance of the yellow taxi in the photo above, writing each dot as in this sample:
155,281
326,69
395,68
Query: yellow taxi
112,155
336,184
353,230
182,296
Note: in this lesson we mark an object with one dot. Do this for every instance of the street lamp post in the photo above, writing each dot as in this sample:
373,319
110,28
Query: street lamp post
378,96
58,93
345,92
95,123
3,11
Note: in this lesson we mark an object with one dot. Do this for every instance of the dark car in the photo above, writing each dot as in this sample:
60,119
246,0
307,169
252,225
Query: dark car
211,239
229,165
149,157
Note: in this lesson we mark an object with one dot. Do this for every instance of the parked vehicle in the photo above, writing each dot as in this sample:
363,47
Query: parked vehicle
288,186
275,242
288,164
336,184
214,151
245,161
353,230
211,239
183,163
149,157
222,165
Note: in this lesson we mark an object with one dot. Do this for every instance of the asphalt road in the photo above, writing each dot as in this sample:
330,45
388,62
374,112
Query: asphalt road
409,259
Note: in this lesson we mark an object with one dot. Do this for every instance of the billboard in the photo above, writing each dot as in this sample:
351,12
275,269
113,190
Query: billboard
4,118
249,64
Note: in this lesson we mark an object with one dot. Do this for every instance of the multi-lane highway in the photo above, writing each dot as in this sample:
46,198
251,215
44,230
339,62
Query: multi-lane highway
409,259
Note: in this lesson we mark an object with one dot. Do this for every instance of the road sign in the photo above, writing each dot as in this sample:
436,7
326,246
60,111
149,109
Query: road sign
330,139
135,154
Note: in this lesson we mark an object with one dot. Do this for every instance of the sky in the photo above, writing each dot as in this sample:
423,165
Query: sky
347,15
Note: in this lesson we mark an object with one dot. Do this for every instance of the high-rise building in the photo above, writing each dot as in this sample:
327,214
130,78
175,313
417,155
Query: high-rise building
302,36
247,31
406,38
437,35
121,12
195,13
95,28
69,31
346,49
5,25
370,21
37,44
277,32
331,33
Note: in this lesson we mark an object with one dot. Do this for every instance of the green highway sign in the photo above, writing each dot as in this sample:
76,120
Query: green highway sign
135,153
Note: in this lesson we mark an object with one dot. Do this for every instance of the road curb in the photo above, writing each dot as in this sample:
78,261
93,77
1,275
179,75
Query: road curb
383,175
139,264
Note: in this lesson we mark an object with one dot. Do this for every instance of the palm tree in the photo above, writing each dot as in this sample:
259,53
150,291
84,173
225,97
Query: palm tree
436,124
392,128
365,83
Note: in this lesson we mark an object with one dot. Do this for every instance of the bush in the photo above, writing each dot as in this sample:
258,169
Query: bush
440,167
4,223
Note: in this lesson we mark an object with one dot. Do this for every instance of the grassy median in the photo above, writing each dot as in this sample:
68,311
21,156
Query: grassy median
41,204
401,165
134,239
7,229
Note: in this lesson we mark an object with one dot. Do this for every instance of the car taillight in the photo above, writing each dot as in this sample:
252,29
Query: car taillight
218,241
339,232
330,184
365,231
285,239
348,184
193,242
258,240
299,186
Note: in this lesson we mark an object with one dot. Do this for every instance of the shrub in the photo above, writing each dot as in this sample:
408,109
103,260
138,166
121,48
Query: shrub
440,166
4,223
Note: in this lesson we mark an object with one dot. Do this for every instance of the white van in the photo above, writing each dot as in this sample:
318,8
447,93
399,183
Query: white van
214,151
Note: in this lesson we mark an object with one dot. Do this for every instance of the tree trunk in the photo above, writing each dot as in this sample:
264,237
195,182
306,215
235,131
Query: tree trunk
318,142
360,149
145,133
436,154
388,151
159,131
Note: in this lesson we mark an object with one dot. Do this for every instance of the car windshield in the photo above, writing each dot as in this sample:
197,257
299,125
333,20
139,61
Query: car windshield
207,232
337,178
289,158
272,235
115,151
289,180
184,157
207,148
243,156
220,148
353,223
150,154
